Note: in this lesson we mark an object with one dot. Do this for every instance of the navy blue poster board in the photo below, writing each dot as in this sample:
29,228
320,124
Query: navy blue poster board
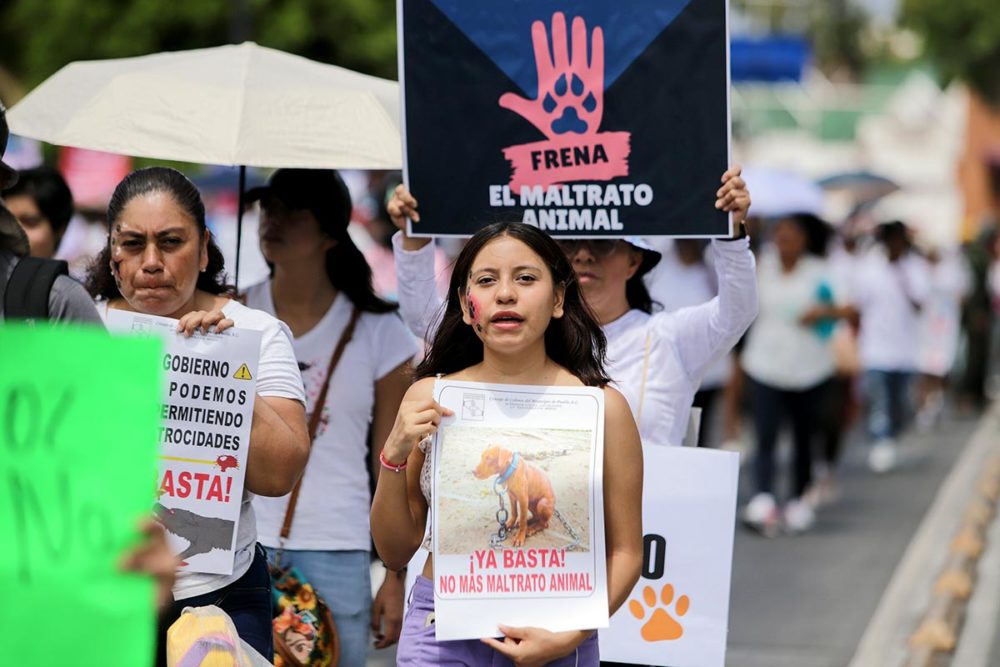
586,118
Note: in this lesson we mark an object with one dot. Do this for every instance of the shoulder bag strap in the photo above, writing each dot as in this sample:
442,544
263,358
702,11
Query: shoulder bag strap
27,293
645,375
317,412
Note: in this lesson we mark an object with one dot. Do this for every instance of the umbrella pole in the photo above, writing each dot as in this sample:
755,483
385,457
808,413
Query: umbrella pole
239,222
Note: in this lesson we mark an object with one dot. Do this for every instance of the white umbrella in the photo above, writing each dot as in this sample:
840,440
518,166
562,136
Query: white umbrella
242,105
780,192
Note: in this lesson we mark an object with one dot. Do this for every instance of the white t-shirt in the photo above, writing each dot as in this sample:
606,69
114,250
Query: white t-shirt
940,318
333,505
682,344
780,351
883,291
278,376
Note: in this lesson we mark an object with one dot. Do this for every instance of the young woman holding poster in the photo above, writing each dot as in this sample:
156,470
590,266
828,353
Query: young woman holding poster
656,359
514,315
161,260
320,285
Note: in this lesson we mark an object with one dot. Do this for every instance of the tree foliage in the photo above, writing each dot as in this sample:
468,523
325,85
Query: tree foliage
37,38
963,38
837,32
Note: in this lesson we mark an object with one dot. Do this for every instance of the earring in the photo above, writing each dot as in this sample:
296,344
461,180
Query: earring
203,270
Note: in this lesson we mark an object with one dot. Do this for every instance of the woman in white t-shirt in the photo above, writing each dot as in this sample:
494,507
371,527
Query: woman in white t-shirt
319,277
161,260
683,279
657,360
788,360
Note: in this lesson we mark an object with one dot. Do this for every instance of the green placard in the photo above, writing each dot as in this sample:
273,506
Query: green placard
78,448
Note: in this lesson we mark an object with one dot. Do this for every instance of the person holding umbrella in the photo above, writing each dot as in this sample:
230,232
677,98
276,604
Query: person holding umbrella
321,286
161,260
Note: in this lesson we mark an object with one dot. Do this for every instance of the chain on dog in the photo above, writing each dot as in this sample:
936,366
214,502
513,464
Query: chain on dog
497,540
575,544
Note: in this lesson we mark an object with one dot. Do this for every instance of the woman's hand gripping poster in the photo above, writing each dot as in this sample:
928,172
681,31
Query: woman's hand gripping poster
518,516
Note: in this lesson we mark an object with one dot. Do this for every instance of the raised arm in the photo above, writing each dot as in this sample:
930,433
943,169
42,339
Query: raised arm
707,331
419,302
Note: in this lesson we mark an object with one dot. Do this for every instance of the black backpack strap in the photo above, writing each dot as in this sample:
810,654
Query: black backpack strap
27,293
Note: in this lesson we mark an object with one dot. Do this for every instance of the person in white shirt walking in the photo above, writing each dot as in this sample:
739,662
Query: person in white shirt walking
940,330
789,361
684,278
320,286
658,359
889,289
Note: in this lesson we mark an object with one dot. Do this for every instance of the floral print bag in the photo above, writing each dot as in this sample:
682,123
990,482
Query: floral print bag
304,631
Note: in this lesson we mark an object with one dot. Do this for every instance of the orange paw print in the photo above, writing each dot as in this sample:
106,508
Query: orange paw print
661,626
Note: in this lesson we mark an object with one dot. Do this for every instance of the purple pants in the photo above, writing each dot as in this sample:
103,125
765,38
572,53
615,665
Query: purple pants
419,648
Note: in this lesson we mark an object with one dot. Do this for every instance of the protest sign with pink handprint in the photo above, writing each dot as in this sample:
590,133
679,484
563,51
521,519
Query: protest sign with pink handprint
581,117
567,110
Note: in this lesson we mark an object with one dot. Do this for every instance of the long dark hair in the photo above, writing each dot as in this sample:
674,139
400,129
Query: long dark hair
638,295
349,272
101,283
574,341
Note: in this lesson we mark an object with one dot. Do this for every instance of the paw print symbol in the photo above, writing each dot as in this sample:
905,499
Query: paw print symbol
570,91
661,626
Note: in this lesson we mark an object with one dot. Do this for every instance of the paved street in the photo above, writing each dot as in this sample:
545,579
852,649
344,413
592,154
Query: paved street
806,601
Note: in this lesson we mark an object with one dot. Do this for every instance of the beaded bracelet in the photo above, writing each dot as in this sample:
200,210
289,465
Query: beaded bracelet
390,466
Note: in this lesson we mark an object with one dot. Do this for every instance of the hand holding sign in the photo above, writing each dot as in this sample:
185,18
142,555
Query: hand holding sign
570,92
528,647
734,197
213,321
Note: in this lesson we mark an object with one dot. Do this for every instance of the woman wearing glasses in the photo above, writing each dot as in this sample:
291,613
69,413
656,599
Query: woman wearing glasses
657,359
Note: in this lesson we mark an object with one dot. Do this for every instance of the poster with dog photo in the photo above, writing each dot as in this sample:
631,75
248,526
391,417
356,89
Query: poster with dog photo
518,516
204,438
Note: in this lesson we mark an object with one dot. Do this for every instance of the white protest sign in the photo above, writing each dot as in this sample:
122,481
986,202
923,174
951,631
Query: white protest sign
204,438
518,518
678,612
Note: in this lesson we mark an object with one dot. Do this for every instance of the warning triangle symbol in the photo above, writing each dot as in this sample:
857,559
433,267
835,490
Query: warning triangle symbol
243,373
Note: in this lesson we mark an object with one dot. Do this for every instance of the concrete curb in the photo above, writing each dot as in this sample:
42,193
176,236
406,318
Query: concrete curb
937,634
934,579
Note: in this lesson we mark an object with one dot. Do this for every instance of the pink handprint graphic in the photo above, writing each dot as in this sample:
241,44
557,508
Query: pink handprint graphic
570,91
568,110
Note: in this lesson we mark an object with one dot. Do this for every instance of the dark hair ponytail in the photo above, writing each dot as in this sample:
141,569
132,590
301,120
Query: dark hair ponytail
574,341
349,272
101,283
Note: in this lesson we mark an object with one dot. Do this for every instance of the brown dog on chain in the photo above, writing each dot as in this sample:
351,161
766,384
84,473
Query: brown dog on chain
528,489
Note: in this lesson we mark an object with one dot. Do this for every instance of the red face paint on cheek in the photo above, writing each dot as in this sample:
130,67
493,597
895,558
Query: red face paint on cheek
473,309
116,262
